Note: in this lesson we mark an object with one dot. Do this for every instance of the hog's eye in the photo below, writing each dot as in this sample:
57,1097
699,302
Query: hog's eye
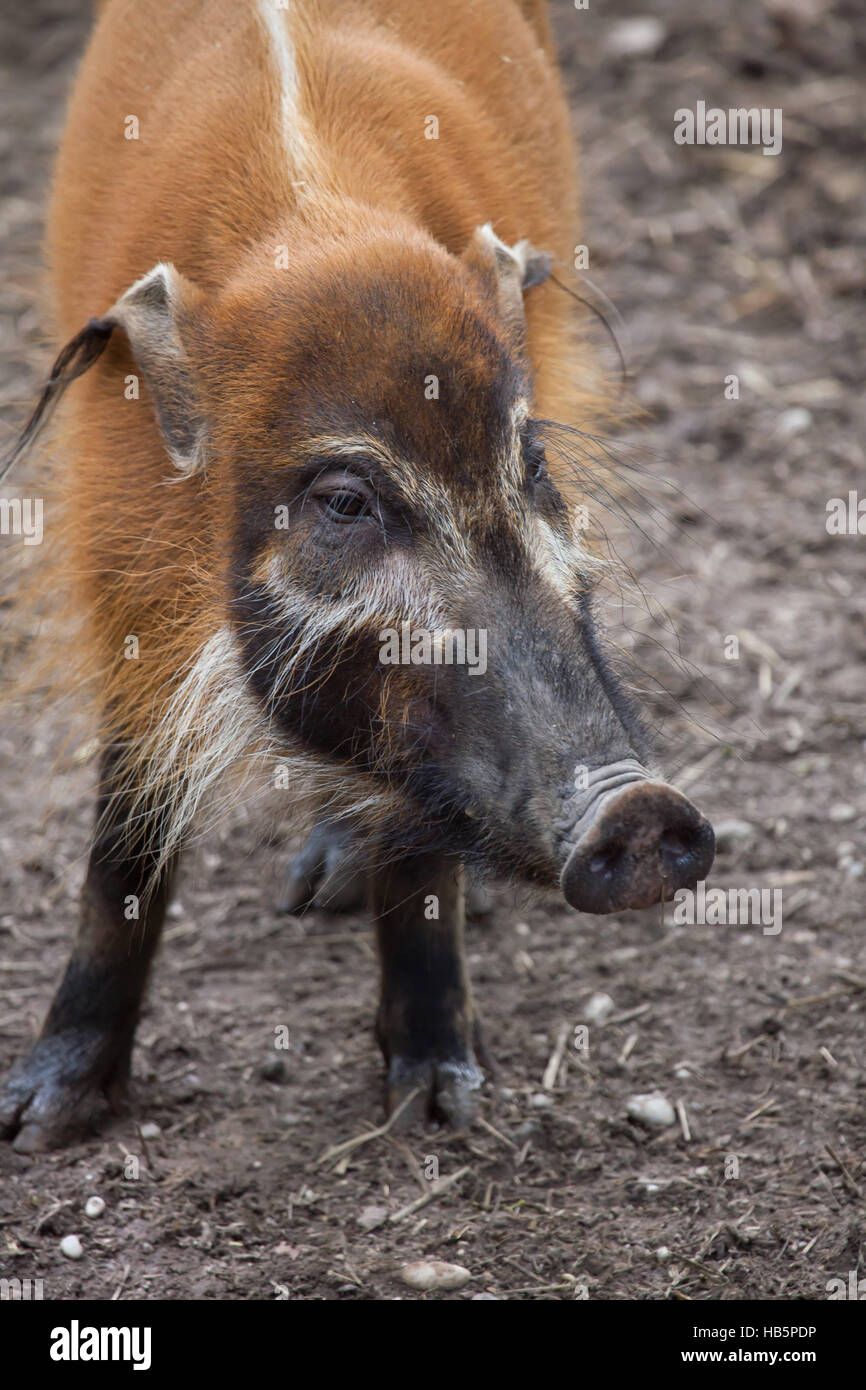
346,506
343,499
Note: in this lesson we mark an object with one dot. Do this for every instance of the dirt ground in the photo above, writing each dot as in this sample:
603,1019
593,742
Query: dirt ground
721,261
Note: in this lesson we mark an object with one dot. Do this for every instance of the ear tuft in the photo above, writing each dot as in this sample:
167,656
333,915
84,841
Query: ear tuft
537,265
72,361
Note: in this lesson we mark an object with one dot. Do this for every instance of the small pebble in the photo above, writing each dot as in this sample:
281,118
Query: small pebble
485,1298
93,1207
841,814
639,37
597,1009
663,1253
151,1130
653,1110
434,1274
795,420
71,1247
540,1101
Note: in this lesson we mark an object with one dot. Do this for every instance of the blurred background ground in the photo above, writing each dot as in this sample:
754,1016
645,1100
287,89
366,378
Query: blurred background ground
722,262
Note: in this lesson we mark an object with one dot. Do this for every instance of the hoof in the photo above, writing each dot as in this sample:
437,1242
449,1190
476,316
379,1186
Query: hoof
447,1091
57,1095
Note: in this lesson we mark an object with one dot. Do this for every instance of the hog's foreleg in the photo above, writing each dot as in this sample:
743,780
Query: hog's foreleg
425,1024
81,1059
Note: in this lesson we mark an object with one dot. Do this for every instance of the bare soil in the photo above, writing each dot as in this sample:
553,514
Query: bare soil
722,261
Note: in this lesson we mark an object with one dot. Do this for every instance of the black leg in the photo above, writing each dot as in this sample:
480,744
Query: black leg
425,1024
81,1060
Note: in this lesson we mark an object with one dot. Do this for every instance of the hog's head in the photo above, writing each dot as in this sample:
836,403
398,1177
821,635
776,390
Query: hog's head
410,603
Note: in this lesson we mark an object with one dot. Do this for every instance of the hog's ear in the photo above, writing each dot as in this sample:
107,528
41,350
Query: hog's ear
510,270
152,314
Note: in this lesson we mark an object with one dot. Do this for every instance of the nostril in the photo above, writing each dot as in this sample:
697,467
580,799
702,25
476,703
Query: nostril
675,845
606,859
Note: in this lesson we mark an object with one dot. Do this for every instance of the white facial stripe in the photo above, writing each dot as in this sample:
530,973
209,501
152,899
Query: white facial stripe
395,591
558,560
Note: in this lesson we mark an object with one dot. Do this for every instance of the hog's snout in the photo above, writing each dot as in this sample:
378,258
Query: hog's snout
642,844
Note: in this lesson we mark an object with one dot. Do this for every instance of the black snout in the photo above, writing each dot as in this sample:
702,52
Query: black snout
645,842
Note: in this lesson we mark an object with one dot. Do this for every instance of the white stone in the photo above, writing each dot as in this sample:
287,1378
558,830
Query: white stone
639,37
540,1101
434,1274
93,1207
71,1247
795,420
597,1009
653,1110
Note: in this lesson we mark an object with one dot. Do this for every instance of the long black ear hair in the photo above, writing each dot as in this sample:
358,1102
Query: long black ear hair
79,354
